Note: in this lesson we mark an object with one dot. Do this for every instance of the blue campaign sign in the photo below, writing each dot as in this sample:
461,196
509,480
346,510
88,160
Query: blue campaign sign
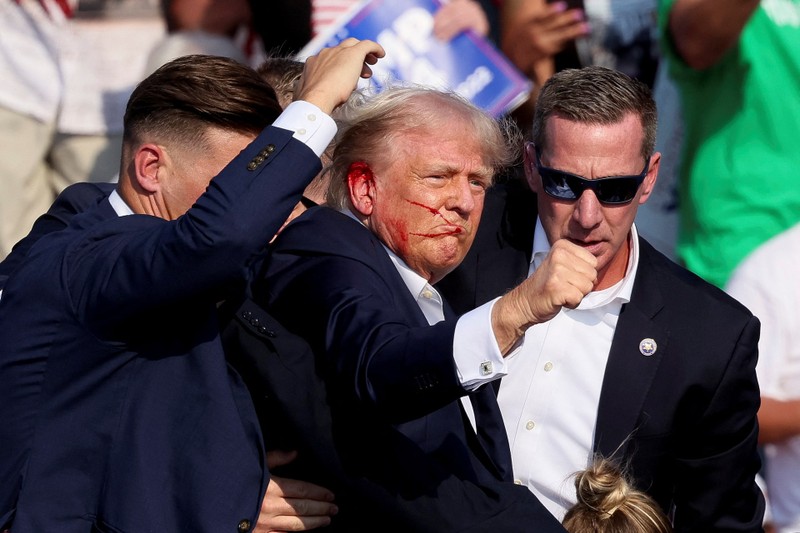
468,64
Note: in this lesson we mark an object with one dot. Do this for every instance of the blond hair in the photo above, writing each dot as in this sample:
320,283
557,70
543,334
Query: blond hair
608,503
369,124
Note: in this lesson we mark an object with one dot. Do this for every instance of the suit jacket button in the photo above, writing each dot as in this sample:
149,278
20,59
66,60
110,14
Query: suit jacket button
244,526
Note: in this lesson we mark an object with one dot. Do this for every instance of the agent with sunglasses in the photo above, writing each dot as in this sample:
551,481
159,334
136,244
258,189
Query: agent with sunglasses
654,367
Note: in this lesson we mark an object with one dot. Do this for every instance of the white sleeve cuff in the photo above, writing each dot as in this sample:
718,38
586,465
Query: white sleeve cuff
475,350
310,125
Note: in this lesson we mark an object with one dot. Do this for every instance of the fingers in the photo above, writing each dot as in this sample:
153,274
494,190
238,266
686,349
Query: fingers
540,30
293,488
562,26
293,505
566,275
276,458
330,76
458,16
293,523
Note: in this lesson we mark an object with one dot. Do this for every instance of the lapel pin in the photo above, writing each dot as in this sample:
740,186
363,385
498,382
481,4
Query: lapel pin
648,347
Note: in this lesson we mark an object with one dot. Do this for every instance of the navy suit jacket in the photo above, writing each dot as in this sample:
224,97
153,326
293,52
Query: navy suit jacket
683,419
118,411
391,381
75,199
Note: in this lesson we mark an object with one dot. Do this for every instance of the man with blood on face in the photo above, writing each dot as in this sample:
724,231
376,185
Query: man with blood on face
424,199
404,376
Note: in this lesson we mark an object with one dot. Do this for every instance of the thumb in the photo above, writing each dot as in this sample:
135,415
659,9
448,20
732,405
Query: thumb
276,458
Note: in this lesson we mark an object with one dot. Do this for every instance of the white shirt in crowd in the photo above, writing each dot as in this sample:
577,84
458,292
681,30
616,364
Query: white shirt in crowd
767,283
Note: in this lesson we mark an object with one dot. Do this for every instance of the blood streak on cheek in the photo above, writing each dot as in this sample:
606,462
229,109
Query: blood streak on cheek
400,234
434,212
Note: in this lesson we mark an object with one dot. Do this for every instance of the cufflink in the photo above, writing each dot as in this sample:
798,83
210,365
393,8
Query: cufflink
486,368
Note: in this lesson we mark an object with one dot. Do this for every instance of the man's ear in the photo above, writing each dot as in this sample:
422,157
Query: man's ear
529,165
361,184
148,162
650,179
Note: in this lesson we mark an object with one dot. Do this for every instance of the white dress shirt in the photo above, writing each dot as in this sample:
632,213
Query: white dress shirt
550,396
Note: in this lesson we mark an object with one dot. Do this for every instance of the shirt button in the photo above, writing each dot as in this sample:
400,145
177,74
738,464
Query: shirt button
518,482
312,118
548,366
244,526
427,294
301,131
530,425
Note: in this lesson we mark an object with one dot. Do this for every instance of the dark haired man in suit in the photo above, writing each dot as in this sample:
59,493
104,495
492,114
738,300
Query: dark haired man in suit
118,409
655,367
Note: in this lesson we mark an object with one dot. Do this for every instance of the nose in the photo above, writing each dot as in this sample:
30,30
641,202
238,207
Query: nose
461,196
588,211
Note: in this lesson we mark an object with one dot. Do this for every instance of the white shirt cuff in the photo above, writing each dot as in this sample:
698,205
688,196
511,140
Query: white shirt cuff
475,350
310,125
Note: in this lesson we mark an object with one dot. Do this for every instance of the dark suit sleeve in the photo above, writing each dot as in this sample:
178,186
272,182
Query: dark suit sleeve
129,267
73,200
717,463
292,403
351,315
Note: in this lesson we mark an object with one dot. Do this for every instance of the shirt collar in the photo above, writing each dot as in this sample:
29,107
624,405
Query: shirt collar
415,283
620,291
118,204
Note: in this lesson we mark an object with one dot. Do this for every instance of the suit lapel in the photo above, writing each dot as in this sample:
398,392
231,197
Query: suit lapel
630,370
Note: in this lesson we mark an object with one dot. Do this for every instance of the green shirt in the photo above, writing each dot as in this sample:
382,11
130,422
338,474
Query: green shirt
740,174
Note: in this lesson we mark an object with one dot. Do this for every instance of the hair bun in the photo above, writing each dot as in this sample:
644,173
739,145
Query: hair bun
602,486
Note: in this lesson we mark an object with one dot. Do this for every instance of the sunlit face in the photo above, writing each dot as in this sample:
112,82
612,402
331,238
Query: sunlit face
593,151
425,200
190,170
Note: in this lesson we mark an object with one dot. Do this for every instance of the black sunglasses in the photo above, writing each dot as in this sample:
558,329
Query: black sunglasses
613,190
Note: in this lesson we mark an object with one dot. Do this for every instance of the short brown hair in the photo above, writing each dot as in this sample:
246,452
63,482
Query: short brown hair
182,99
595,95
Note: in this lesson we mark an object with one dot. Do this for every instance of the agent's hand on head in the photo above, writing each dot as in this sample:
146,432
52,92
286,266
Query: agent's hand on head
330,76
292,505
566,275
